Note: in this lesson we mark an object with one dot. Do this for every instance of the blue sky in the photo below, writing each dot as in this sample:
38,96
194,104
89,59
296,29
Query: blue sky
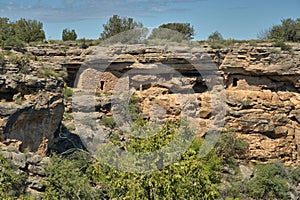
239,19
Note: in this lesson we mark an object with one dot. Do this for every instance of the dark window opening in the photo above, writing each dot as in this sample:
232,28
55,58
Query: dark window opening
7,96
234,82
200,87
146,86
101,85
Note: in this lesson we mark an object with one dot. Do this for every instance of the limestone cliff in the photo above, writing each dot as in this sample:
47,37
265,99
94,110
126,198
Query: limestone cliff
261,83
31,106
261,101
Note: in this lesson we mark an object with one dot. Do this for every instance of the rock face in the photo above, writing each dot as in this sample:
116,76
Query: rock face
31,106
29,164
261,86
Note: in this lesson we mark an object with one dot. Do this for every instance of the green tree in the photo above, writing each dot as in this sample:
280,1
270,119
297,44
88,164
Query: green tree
288,30
66,179
166,34
5,28
186,29
7,34
29,30
116,25
190,177
269,182
215,36
68,34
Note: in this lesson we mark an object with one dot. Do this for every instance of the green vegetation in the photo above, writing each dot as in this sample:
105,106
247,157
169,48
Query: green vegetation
20,60
134,107
186,29
11,184
269,182
47,72
29,30
68,92
19,101
215,36
282,45
69,35
80,176
7,35
2,61
108,121
191,177
288,30
66,179
116,25
218,44
173,32
23,30
230,146
68,116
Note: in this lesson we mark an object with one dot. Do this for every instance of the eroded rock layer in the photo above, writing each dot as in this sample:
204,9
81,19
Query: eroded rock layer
261,83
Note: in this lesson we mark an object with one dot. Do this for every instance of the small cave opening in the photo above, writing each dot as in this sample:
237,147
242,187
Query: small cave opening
235,82
7,96
72,72
200,87
102,85
146,86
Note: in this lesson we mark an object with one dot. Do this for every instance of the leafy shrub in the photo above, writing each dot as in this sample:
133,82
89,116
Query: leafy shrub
66,180
108,121
230,146
215,36
186,31
134,107
29,30
47,72
68,92
69,35
216,45
269,182
288,30
20,60
295,175
68,116
116,25
19,101
282,45
157,136
23,30
2,61
191,177
11,184
13,41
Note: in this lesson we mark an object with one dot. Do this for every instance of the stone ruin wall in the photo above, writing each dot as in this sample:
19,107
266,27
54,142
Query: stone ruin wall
261,84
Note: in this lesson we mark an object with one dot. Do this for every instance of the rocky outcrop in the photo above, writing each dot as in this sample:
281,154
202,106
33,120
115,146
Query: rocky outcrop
260,91
33,166
31,106
261,84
